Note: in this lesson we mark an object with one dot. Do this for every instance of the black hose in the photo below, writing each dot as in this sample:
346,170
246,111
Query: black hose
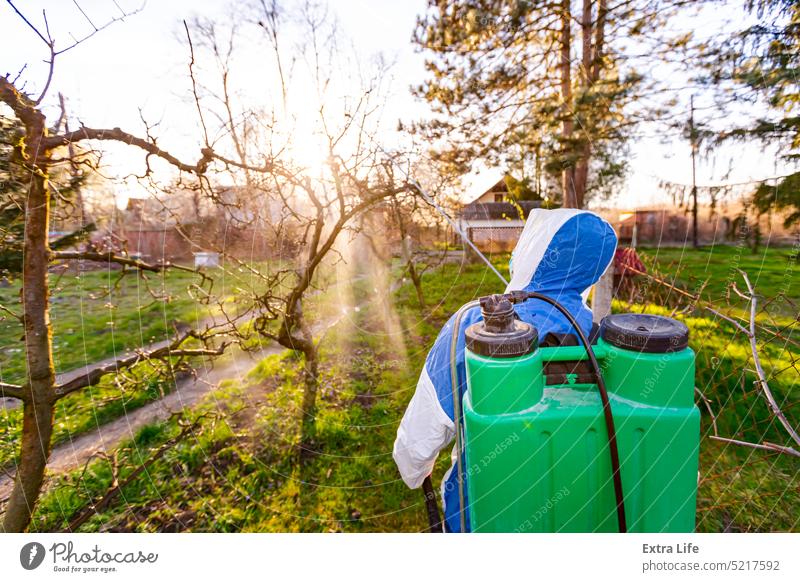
519,297
516,297
434,521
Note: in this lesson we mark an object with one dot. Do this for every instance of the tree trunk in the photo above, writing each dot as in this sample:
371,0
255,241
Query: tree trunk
304,343
582,175
591,63
37,429
308,409
37,426
568,173
417,280
589,73
408,252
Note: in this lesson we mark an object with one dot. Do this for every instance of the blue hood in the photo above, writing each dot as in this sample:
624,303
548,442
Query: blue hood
561,253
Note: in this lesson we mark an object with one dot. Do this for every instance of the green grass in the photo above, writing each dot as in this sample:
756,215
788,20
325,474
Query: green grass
741,489
93,319
239,470
96,315
772,270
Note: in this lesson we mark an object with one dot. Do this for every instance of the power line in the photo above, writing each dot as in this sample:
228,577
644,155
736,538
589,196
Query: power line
728,185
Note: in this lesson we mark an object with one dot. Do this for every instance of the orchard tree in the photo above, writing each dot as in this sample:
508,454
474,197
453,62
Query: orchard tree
38,155
242,141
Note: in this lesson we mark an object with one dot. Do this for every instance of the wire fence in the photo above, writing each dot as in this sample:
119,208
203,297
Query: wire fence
748,369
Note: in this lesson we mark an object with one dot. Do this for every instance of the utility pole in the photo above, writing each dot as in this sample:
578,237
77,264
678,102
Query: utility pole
693,140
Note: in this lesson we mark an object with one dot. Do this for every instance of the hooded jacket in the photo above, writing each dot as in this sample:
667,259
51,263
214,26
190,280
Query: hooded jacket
561,253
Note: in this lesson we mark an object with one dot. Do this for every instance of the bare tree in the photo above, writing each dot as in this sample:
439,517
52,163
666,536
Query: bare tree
409,224
321,203
38,160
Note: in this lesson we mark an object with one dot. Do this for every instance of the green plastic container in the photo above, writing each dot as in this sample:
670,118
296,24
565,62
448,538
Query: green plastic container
537,455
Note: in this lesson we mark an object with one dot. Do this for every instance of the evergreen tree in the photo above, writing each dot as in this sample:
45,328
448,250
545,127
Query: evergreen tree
13,190
760,65
562,80
521,189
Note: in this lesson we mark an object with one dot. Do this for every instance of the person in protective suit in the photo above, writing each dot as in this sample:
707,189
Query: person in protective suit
561,253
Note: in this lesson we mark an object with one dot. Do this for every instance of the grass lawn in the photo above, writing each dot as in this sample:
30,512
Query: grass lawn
772,270
93,318
238,469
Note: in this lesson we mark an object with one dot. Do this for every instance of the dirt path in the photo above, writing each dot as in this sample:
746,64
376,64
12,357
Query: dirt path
207,322
76,452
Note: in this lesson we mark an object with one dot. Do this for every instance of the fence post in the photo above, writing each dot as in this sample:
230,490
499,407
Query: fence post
601,296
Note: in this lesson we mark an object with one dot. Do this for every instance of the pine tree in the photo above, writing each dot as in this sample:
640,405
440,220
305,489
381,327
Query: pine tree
760,65
13,189
562,80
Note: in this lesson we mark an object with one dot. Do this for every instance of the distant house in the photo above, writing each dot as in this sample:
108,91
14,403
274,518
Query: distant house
653,226
492,221
658,226
237,221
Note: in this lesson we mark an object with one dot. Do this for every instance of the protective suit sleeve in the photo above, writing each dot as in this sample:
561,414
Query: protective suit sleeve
424,431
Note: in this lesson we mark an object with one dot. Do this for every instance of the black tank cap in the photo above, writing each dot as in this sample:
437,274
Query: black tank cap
500,334
644,333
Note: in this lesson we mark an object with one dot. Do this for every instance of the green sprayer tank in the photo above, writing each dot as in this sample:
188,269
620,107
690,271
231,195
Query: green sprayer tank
537,450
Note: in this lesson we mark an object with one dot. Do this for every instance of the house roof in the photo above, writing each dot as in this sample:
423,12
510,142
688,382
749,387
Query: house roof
499,186
498,210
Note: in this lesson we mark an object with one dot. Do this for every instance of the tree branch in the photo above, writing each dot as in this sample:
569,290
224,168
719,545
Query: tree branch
194,84
116,134
761,446
761,382
110,257
11,391
94,375
702,304
762,377
22,107
5,309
